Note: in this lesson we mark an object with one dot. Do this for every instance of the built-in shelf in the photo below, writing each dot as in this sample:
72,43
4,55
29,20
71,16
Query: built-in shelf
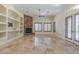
11,26
12,30
3,23
2,36
4,15
13,34
2,28
13,19
2,9
2,19
13,14
2,31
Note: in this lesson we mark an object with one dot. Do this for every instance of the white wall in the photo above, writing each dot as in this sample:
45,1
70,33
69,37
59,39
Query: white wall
60,24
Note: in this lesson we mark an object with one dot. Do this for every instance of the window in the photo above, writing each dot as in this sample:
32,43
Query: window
38,27
47,27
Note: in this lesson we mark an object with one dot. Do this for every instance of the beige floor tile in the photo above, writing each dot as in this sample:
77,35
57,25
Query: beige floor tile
40,44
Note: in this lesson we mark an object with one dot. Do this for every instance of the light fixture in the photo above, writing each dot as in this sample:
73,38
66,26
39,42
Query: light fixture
39,12
39,15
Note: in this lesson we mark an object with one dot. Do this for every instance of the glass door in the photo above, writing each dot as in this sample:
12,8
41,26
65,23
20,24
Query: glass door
72,28
77,27
69,27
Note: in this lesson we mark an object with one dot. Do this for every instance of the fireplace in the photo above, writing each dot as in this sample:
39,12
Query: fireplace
28,30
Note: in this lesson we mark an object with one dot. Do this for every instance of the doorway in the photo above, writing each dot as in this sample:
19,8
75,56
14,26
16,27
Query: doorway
54,24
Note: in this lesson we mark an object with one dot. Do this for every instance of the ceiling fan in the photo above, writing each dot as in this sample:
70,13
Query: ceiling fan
40,14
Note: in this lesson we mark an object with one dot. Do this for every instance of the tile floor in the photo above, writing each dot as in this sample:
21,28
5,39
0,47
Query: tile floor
40,44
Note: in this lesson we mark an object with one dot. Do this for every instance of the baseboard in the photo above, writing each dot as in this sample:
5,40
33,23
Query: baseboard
58,35
48,33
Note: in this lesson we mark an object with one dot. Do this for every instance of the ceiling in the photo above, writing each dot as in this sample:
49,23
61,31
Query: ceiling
46,9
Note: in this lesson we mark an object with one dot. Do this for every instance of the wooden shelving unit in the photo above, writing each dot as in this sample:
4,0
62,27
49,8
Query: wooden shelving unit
2,23
11,24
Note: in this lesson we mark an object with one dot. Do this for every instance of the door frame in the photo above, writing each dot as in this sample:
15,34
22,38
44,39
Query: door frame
54,26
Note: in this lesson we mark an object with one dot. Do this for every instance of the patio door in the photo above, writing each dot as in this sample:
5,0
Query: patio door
68,32
72,28
77,27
